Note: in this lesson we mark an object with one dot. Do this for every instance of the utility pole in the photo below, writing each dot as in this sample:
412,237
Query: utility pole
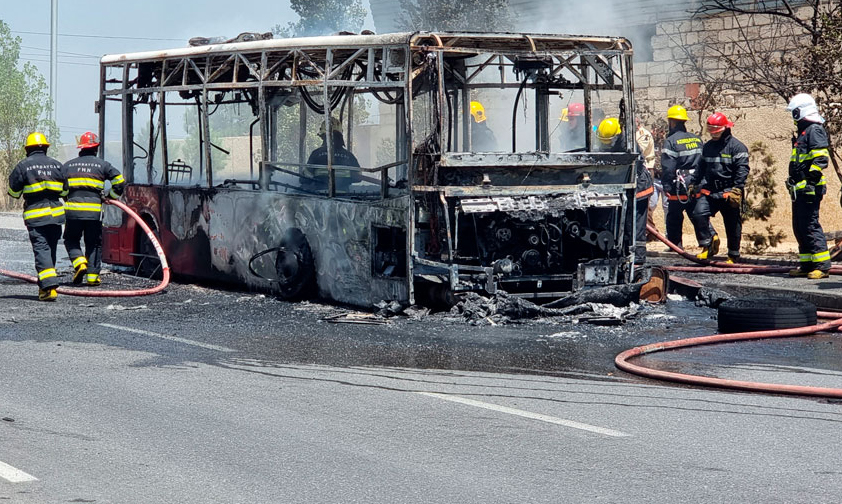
53,57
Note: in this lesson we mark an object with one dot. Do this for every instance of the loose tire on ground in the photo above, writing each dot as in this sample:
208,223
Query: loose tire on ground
760,314
295,267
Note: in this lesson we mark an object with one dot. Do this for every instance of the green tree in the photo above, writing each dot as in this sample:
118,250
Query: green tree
24,106
455,15
323,17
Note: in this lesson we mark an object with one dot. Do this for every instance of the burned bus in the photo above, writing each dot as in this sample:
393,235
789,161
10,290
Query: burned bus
361,168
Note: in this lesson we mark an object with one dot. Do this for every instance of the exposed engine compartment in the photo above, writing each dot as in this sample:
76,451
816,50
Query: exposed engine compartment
529,243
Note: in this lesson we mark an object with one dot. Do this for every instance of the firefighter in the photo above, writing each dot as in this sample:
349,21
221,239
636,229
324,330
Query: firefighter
39,180
807,186
721,180
572,131
611,138
85,177
316,177
482,138
680,158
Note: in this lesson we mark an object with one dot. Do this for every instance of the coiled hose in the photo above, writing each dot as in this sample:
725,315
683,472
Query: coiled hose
165,279
622,359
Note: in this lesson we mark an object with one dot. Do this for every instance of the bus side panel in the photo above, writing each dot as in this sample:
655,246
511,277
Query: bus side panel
241,224
212,234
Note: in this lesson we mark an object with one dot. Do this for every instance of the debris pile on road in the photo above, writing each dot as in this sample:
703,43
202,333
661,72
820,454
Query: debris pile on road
502,308
616,295
711,297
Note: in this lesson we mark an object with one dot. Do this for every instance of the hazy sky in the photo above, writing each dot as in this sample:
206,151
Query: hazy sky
118,27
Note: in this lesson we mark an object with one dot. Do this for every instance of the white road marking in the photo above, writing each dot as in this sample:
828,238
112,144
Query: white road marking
170,338
527,414
14,475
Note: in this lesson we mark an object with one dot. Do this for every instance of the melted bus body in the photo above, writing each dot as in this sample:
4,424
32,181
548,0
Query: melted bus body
449,162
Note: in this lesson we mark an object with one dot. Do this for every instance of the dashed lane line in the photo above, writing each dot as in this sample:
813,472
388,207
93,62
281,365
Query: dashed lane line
527,414
14,475
170,338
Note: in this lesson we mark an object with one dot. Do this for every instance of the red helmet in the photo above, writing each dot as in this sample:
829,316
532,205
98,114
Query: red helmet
88,140
575,109
718,122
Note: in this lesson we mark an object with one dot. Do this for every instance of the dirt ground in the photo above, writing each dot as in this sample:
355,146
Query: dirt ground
774,127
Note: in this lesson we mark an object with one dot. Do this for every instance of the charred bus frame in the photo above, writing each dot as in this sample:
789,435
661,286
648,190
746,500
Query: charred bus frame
437,216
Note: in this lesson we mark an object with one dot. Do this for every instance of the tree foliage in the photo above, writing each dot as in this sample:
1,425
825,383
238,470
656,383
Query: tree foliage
323,17
24,106
455,15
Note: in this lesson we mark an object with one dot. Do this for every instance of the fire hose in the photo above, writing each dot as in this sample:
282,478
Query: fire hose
622,359
165,279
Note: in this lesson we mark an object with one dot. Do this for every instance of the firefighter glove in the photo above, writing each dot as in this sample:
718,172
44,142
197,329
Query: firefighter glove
691,191
735,198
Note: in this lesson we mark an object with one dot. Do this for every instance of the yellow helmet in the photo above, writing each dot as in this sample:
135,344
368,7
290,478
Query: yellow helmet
335,125
608,129
564,113
478,111
677,112
36,138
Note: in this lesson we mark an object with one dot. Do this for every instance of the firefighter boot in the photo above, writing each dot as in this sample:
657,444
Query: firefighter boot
80,265
49,294
711,250
816,274
732,259
92,279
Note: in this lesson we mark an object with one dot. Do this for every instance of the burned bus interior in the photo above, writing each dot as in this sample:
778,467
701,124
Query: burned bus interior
408,163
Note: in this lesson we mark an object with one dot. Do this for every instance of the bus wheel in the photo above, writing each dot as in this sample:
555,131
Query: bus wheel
295,267
149,264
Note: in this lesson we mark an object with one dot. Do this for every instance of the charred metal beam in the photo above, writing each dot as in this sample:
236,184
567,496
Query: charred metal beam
475,192
536,159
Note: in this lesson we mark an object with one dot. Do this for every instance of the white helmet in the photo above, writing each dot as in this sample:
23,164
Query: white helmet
803,106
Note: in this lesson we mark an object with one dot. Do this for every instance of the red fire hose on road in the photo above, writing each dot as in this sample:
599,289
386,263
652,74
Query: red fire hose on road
165,280
621,360
709,266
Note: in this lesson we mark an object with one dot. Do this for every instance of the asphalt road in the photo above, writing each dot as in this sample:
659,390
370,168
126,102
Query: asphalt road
200,395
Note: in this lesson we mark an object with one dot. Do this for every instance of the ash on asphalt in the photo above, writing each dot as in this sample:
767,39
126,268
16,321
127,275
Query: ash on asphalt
270,332
263,328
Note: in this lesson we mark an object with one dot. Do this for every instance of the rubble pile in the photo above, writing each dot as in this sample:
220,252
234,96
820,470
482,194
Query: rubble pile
502,308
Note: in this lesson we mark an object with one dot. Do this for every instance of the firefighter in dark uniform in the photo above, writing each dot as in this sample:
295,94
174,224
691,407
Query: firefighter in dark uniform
680,158
482,138
721,180
85,177
316,177
611,139
807,185
39,180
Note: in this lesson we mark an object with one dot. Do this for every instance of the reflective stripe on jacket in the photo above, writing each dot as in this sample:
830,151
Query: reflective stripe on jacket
724,166
680,157
39,180
809,157
86,176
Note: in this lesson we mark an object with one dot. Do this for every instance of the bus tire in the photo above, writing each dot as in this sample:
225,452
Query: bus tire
760,314
295,267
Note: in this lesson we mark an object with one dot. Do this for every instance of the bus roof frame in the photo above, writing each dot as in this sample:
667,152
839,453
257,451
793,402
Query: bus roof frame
449,41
